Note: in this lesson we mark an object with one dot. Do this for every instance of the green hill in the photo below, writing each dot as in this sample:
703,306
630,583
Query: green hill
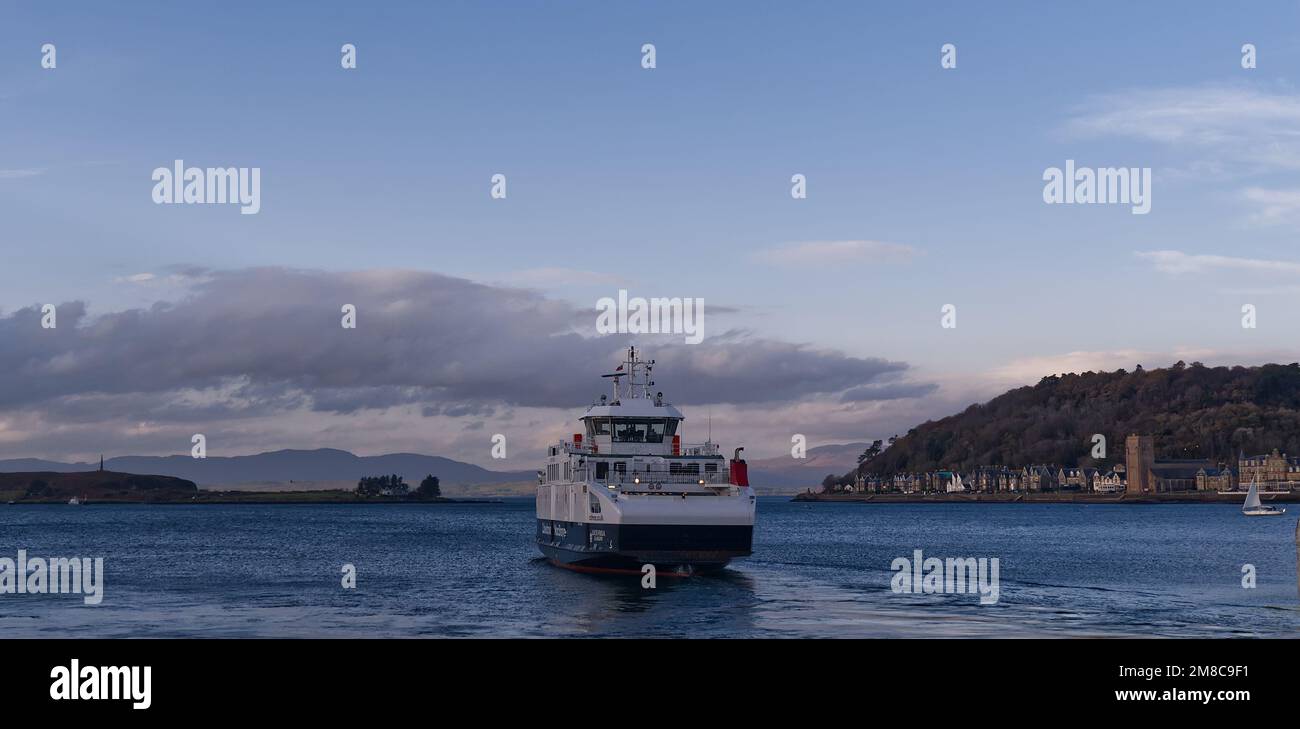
1194,412
50,486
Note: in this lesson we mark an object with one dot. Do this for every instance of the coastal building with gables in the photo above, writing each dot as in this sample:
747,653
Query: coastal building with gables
995,479
1274,471
1216,479
1038,478
1110,482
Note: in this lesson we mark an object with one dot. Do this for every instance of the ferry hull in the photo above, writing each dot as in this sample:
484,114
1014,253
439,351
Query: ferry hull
626,547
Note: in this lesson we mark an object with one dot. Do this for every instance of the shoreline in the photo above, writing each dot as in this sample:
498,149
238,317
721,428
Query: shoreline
1010,498
259,499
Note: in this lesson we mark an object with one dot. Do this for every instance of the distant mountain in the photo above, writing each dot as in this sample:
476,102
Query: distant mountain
1193,411
25,465
787,472
322,464
337,467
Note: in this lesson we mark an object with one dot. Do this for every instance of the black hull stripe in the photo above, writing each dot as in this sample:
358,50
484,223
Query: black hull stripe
628,546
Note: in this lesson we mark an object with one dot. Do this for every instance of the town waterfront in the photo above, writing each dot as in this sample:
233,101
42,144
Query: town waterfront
818,570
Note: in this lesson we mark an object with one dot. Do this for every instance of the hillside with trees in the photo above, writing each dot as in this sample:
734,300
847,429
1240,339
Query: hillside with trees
1193,411
393,485
430,487
96,486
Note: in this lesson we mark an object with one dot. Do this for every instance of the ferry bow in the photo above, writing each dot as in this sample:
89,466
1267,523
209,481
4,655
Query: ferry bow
627,492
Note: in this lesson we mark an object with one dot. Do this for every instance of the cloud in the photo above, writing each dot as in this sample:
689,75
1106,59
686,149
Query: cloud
1273,206
817,253
1221,131
554,277
18,174
1177,262
259,355
1262,291
888,391
135,278
1229,128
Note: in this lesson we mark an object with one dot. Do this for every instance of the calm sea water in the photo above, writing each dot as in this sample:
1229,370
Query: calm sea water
818,570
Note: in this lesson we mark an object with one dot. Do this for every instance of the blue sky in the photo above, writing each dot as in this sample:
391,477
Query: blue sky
675,181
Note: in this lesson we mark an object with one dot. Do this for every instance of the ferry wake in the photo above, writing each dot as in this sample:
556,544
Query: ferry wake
627,492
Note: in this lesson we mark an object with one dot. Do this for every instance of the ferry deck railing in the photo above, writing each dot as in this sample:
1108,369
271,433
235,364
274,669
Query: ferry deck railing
687,449
645,477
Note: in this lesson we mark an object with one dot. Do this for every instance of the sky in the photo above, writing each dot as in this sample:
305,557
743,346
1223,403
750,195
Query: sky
476,315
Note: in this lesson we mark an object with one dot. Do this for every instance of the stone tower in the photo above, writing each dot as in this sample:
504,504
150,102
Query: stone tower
1140,455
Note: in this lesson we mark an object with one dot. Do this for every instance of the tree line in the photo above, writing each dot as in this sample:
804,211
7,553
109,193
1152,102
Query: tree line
1194,411
395,485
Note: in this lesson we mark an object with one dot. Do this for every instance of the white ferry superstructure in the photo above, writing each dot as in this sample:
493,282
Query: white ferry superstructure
626,492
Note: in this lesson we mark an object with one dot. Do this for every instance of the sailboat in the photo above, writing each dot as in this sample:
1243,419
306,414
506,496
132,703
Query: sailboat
1253,507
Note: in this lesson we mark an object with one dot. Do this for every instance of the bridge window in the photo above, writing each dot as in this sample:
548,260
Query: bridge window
629,431
643,430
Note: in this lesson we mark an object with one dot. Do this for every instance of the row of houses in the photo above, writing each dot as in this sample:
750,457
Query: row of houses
998,479
1139,473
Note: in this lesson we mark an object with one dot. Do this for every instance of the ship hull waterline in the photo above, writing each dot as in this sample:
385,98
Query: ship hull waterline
627,548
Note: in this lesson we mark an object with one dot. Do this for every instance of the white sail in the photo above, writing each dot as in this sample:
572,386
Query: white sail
1252,498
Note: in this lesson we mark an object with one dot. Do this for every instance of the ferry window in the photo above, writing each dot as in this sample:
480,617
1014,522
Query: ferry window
602,470
598,426
710,468
655,431
671,428
630,431
641,431
620,467
595,504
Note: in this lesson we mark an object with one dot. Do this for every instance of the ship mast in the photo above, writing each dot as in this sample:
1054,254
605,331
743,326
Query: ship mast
629,369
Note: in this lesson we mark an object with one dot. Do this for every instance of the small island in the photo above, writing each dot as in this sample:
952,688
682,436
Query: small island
109,487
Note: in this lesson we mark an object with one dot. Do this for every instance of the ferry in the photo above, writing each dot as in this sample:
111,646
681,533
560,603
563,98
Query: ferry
626,492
